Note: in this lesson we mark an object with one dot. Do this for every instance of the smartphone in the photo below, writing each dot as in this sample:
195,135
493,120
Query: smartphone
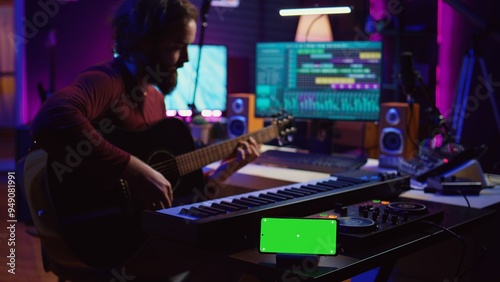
308,236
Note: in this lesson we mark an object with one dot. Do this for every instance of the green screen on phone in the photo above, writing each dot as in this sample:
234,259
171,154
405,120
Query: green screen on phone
314,236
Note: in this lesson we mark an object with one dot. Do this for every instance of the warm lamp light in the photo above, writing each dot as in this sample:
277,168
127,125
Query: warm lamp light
317,17
315,11
314,28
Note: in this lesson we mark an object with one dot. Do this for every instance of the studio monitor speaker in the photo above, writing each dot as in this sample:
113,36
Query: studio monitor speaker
241,118
398,129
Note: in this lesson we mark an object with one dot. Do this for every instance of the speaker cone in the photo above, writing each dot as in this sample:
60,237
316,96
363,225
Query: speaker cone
237,126
391,140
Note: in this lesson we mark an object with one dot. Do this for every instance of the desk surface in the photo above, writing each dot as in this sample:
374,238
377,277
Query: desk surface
254,176
349,263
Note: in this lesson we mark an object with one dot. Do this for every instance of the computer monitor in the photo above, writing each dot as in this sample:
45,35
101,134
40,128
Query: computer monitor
211,91
319,80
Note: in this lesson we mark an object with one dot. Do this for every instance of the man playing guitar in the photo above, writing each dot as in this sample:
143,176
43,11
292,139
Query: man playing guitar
151,39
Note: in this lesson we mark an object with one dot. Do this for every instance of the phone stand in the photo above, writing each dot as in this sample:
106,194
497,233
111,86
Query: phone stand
471,170
289,260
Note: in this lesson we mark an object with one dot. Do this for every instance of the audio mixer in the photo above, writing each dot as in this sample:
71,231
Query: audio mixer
369,222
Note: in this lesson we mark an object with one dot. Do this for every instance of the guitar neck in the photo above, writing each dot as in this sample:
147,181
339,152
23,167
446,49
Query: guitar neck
195,160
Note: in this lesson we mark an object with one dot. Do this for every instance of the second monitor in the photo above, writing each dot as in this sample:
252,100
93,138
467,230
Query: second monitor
211,88
319,80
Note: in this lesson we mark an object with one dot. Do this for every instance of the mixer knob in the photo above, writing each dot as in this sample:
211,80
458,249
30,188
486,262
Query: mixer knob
384,217
394,219
382,176
365,213
361,208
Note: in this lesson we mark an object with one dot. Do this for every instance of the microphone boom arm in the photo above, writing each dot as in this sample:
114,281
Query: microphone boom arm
204,23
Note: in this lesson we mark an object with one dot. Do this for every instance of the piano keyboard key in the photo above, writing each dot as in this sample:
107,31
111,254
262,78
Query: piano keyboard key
246,201
227,206
238,215
263,198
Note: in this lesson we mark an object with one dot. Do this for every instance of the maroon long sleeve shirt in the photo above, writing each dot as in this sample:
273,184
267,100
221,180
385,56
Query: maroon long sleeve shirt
101,98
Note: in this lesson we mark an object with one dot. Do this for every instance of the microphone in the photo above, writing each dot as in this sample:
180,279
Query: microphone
408,75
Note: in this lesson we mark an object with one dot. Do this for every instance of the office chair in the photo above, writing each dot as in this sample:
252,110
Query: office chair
57,256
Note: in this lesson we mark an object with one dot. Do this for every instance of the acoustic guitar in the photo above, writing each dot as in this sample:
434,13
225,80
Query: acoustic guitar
100,219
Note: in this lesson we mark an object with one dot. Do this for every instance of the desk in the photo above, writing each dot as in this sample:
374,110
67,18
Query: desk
348,264
486,198
255,177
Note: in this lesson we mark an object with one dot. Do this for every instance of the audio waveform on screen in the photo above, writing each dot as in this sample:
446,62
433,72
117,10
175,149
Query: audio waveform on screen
332,104
319,80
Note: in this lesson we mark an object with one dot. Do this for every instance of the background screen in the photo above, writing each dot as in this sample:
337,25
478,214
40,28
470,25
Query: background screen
319,80
211,92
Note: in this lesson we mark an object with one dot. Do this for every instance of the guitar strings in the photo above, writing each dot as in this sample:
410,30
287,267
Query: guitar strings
165,167
170,166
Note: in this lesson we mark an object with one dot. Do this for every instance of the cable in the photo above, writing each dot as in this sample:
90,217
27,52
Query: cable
459,276
462,241
432,190
414,141
435,190
306,36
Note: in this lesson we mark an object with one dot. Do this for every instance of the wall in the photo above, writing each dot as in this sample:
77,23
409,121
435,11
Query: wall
6,66
479,126
84,38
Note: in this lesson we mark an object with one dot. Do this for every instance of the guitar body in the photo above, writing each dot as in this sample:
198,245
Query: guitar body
161,143
98,216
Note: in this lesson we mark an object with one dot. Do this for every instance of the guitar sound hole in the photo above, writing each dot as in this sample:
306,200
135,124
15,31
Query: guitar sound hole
164,162
161,158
